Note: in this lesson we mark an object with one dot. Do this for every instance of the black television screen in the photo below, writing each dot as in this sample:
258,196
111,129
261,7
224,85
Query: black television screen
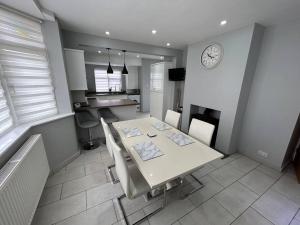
177,74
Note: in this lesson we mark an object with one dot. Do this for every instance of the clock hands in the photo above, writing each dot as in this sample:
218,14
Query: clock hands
210,56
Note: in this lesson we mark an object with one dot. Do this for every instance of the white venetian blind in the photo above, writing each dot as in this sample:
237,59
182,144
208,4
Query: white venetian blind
5,118
25,66
105,81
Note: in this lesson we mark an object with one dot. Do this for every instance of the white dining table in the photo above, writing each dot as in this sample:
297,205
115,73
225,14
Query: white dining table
176,162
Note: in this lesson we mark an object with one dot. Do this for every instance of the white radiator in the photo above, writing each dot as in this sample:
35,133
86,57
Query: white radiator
22,181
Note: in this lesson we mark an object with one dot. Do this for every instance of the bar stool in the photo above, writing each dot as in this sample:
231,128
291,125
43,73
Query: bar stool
107,115
86,120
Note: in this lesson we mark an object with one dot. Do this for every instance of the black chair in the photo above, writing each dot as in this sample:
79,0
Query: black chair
86,120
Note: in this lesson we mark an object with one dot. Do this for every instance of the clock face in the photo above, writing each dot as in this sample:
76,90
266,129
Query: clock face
211,56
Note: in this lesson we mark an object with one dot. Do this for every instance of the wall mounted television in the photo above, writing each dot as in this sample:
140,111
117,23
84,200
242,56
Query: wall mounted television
177,74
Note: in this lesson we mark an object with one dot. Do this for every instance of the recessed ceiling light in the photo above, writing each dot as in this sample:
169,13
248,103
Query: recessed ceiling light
119,53
168,44
99,51
138,56
107,33
154,31
161,57
223,22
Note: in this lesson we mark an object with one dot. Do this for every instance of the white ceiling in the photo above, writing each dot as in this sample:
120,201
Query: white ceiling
179,22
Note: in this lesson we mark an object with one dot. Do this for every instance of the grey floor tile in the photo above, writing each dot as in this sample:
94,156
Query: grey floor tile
133,218
221,162
132,205
276,208
257,181
226,175
83,183
269,171
210,213
236,198
295,222
103,193
171,213
176,223
289,187
204,171
50,194
65,175
94,167
79,161
92,156
244,164
298,215
211,187
60,210
101,214
251,217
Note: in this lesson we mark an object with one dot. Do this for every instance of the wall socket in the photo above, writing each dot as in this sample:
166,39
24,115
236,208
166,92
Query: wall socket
262,153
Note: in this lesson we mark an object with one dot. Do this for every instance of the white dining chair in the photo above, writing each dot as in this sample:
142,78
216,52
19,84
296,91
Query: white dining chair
172,118
201,131
131,180
107,132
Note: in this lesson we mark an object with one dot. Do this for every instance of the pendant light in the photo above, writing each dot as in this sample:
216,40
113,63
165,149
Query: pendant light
124,70
109,68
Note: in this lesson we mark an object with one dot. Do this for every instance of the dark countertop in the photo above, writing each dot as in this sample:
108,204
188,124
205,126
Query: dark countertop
94,94
96,103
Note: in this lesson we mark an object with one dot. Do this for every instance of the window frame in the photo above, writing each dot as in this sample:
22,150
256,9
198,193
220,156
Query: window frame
108,79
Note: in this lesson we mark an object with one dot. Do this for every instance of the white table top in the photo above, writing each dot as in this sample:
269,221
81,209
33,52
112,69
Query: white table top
177,160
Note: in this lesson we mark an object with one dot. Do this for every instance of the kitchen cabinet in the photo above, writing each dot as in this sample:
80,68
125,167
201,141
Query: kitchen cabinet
75,66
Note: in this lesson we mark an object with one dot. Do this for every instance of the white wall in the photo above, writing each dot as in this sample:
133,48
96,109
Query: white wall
274,102
51,33
220,88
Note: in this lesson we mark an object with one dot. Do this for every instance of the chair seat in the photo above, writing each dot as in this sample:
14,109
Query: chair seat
107,115
88,124
139,185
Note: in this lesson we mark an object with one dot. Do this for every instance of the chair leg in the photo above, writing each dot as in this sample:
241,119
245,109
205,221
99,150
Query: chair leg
147,216
113,179
111,175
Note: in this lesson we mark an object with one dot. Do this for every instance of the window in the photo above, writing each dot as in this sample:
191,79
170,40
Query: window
156,82
105,81
26,80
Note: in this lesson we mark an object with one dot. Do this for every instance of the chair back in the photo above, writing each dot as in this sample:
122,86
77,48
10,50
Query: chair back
201,131
121,166
172,118
107,132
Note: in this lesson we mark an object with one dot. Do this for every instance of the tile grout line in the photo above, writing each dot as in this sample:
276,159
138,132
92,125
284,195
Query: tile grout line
211,196
294,217
259,198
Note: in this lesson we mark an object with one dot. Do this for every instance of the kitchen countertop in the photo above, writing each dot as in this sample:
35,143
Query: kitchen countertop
109,93
96,103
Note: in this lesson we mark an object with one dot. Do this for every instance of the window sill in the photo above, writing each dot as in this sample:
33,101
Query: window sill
7,140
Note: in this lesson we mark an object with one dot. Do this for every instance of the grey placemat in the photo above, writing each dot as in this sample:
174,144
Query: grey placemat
161,126
180,139
132,132
147,150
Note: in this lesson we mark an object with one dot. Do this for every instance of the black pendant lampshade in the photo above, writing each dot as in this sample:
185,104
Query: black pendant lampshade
124,70
109,68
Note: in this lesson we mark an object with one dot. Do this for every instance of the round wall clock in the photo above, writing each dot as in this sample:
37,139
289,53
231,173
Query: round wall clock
212,56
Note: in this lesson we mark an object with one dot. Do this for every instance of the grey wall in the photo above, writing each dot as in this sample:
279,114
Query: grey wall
60,140
274,102
219,88
144,83
52,39
74,39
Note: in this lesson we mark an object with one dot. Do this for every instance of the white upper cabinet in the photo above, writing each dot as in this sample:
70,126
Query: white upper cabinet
75,65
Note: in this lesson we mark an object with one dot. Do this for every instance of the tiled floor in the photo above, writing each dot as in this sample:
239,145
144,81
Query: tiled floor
237,191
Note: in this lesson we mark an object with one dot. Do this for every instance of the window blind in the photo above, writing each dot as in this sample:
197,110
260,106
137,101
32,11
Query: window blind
5,118
105,81
25,68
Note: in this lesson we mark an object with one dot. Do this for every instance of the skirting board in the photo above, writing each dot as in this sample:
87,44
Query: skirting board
65,162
